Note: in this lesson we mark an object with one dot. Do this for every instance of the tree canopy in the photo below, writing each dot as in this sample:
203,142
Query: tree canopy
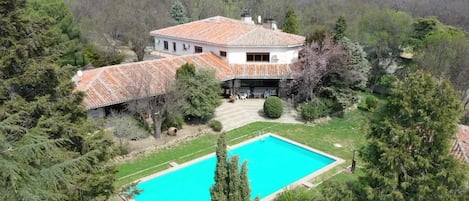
291,22
201,91
408,154
230,183
178,13
48,151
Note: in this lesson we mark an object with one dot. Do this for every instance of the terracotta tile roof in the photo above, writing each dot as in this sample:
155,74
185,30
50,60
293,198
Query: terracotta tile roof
261,70
461,145
229,32
114,84
111,85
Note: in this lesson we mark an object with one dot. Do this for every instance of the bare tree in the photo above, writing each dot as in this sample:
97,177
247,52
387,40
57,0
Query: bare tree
448,58
319,59
152,99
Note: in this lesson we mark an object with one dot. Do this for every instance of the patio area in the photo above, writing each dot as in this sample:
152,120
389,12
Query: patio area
242,112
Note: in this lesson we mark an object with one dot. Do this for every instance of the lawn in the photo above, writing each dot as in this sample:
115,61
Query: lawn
349,131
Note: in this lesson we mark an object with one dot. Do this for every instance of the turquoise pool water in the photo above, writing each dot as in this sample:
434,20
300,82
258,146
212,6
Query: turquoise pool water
273,164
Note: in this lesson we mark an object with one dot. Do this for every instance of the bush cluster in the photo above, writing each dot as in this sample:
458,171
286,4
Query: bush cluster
273,107
371,103
321,107
215,125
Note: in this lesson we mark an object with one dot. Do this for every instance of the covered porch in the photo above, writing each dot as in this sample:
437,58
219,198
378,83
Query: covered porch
256,88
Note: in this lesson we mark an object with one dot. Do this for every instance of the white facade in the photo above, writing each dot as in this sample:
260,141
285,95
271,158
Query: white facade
234,55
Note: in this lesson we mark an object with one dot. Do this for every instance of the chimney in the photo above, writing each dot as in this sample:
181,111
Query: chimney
270,23
246,17
77,77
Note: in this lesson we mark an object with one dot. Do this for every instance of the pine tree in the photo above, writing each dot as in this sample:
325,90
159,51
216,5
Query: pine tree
178,13
230,183
48,150
291,22
408,156
339,29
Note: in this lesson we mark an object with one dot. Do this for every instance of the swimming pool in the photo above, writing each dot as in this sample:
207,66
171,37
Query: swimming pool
273,164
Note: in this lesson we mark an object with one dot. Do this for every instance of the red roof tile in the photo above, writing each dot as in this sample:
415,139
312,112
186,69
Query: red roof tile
229,32
113,84
110,85
461,145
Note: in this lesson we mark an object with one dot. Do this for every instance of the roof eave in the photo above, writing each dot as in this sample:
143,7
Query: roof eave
228,45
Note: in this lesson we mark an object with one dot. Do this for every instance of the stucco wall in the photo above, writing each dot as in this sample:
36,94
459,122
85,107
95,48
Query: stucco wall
235,55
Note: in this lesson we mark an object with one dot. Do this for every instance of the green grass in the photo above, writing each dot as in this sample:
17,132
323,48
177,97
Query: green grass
348,131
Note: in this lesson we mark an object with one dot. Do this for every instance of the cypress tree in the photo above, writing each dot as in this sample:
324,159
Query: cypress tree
244,183
291,22
219,191
230,183
234,188
408,156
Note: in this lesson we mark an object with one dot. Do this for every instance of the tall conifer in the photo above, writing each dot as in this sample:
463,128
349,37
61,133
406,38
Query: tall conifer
408,156
291,22
230,183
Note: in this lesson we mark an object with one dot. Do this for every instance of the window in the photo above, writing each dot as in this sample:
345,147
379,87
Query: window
166,46
174,46
222,53
258,56
185,47
198,49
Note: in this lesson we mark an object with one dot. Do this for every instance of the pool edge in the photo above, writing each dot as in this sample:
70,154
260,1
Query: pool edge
299,182
270,197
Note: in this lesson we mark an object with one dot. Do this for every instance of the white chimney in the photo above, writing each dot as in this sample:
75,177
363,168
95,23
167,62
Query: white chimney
246,17
77,77
270,24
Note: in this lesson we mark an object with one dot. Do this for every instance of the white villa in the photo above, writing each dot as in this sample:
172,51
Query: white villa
248,58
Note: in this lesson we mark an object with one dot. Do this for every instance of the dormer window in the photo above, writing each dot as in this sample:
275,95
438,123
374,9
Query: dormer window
258,56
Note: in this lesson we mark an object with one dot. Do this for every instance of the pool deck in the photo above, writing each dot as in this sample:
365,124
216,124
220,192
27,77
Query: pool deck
302,182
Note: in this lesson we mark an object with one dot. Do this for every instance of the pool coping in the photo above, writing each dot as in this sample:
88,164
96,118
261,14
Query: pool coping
270,197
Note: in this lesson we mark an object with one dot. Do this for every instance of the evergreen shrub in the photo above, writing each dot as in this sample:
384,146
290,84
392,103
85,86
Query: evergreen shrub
316,109
371,103
215,125
172,121
273,107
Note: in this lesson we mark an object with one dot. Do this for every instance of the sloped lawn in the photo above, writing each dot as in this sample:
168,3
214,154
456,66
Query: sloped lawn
348,131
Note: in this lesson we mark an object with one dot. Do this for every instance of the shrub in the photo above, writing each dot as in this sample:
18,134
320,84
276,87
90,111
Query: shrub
126,127
316,109
215,125
123,148
172,121
298,194
273,107
371,103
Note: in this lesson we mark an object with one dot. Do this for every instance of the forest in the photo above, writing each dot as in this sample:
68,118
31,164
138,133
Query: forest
49,150
434,32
